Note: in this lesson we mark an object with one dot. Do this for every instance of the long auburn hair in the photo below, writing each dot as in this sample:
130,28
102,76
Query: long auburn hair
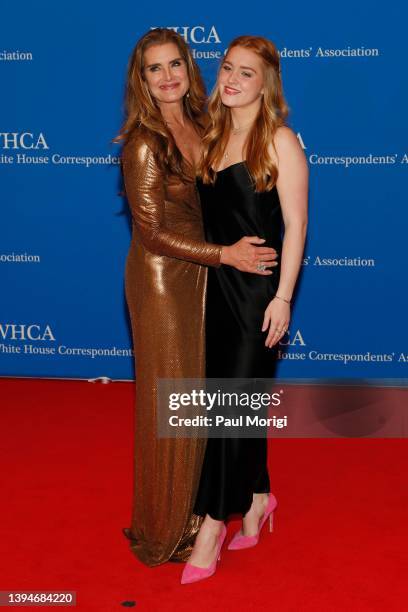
142,112
272,114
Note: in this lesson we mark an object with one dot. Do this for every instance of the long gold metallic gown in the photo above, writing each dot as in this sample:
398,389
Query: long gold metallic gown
165,292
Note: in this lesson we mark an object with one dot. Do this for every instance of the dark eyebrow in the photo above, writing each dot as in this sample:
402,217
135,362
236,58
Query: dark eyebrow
244,67
158,63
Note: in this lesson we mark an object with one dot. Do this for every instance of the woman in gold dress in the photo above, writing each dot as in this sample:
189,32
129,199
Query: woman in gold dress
165,281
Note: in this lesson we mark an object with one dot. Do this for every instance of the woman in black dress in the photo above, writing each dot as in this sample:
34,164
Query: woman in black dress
254,181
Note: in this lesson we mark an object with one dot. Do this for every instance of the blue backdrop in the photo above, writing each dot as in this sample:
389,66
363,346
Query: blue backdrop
64,232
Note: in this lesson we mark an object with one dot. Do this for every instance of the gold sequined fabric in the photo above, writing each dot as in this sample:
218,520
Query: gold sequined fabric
165,282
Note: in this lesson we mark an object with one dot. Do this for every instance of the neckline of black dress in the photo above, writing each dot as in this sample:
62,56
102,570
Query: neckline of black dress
231,166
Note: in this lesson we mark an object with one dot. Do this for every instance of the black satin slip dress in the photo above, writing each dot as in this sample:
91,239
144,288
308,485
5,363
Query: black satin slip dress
234,469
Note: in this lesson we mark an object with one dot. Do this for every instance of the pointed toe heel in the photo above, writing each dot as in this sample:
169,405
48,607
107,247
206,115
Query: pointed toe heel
239,541
192,573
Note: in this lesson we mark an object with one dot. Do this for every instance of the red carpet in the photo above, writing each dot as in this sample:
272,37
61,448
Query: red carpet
340,539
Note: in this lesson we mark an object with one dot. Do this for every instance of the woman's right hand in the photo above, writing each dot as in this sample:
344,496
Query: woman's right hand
244,256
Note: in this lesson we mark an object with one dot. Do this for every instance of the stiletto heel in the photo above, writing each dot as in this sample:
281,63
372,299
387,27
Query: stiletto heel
192,573
271,522
240,541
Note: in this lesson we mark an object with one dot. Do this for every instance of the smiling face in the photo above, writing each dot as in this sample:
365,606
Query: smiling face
165,72
241,80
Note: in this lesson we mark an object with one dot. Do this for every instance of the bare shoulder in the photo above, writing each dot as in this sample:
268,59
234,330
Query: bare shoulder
286,147
286,141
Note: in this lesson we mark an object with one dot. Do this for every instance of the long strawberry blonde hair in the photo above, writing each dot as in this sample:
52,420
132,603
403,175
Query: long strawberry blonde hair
272,114
141,110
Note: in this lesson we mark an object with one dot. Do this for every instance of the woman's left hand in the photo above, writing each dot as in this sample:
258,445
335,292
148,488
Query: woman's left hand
277,317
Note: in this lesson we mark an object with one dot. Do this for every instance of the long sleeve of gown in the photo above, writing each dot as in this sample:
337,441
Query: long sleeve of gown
144,184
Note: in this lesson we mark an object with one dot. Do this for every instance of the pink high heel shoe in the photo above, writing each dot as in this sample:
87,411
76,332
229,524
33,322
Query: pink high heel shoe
239,541
192,573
